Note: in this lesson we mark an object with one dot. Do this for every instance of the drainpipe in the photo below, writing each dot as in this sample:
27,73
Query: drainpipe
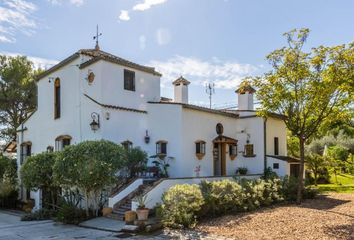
265,143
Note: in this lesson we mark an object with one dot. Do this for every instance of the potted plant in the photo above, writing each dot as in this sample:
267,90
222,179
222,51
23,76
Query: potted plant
142,212
242,171
162,162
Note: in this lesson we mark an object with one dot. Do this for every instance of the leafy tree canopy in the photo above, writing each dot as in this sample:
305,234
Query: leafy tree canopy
309,88
17,93
37,171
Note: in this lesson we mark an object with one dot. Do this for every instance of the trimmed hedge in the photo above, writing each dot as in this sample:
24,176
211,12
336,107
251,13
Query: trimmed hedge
184,204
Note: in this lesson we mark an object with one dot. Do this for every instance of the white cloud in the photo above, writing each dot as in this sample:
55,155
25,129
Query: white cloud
225,74
124,15
37,61
163,36
16,16
147,4
76,3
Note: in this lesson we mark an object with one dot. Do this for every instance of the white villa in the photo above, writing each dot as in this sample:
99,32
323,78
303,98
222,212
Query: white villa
96,95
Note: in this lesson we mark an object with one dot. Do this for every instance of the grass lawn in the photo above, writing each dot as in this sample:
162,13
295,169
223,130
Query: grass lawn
345,184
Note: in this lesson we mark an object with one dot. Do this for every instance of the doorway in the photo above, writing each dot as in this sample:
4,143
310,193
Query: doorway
294,170
219,154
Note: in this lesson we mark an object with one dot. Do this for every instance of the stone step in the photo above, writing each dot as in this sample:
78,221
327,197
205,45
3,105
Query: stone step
115,216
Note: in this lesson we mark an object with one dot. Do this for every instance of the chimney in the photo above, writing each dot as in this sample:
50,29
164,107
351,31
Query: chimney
245,96
181,90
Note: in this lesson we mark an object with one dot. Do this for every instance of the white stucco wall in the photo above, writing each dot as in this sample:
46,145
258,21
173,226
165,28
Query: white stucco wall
276,128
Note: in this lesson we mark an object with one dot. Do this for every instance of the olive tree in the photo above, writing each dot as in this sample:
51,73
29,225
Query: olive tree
89,166
37,173
309,88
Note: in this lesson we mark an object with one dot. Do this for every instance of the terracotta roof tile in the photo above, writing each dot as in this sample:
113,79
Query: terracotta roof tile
114,106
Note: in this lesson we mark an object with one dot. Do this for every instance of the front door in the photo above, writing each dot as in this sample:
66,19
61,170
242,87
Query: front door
219,153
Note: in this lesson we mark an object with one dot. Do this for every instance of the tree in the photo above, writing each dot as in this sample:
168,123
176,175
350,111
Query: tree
8,182
307,87
37,173
316,163
90,166
135,161
17,93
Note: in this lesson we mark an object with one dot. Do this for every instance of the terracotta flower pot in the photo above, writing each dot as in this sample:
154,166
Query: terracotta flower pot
106,211
143,213
129,217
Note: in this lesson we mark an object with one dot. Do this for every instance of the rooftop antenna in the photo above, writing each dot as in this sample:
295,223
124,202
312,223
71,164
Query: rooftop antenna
97,47
210,90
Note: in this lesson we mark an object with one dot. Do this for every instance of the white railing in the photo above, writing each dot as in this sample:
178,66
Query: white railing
125,192
153,197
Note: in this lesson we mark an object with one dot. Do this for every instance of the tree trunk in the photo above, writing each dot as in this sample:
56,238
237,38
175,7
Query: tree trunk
300,186
316,176
87,204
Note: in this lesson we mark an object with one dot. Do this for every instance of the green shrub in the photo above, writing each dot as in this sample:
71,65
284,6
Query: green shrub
181,205
42,214
260,192
71,214
269,174
289,190
222,196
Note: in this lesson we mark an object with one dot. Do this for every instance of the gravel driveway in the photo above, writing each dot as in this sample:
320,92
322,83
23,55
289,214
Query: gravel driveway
327,217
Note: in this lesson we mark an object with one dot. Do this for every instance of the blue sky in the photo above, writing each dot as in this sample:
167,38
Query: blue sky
204,40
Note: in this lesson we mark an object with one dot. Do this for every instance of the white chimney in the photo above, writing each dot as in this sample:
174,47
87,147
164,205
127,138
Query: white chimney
181,90
245,97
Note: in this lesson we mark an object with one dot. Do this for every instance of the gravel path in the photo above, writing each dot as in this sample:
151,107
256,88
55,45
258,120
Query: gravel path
327,217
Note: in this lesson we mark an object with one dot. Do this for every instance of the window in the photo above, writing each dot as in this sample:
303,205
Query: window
275,165
161,147
232,151
62,141
249,150
26,151
200,149
127,145
129,80
276,146
57,98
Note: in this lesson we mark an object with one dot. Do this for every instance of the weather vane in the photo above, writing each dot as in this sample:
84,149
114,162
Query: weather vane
210,90
97,47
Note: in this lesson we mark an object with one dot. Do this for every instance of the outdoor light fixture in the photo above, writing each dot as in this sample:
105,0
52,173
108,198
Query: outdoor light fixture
95,124
147,137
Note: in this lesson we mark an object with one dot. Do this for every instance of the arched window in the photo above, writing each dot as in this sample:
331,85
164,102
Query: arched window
57,98
161,147
62,141
200,149
127,144
26,151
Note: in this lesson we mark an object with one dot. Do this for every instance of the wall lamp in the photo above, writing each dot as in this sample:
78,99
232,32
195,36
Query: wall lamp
95,124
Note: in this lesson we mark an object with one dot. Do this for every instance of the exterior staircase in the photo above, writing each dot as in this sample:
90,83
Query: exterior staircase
126,204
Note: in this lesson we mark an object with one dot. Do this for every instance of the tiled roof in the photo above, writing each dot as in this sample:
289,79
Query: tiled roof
199,108
96,56
101,55
181,80
114,106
